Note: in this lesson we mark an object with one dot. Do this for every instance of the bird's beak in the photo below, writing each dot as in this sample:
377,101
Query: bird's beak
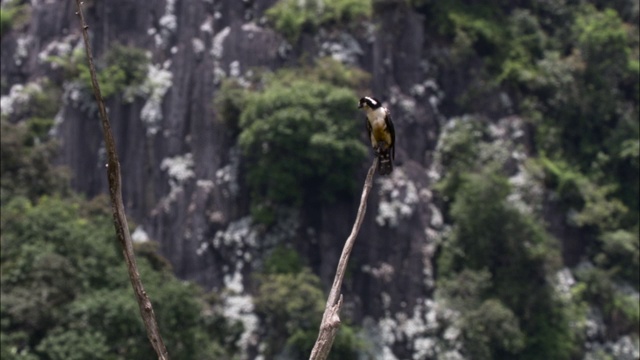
359,105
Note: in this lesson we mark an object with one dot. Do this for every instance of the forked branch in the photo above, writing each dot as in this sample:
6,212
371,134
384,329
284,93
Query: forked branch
331,316
117,206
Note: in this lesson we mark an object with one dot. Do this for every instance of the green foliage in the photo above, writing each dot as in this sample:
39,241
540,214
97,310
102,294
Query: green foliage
122,69
490,235
594,204
589,98
291,306
283,260
289,303
488,327
229,101
526,44
301,142
292,17
27,153
620,308
465,288
458,149
621,252
492,328
74,345
603,41
65,289
11,15
26,161
126,67
38,99
487,227
328,70
571,68
476,26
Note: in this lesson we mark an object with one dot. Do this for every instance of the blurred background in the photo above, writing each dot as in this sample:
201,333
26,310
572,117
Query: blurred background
507,230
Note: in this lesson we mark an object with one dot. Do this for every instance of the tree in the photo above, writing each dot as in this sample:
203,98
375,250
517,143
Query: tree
300,140
490,235
65,293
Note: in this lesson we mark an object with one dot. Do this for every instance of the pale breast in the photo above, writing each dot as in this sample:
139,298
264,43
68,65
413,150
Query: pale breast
376,119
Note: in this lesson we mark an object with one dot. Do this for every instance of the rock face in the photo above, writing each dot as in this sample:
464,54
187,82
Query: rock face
182,178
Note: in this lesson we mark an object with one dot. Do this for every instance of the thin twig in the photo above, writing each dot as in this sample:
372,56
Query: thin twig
331,317
117,206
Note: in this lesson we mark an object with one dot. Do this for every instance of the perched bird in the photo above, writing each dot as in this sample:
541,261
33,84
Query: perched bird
381,132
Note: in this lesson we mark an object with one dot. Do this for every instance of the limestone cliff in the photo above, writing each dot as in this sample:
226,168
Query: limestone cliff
183,179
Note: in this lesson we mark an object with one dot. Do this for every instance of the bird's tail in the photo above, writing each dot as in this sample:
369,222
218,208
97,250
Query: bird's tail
385,165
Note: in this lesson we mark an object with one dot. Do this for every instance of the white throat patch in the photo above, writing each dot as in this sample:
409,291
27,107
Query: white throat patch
376,117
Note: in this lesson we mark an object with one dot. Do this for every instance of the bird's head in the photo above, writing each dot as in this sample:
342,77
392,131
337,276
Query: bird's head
369,103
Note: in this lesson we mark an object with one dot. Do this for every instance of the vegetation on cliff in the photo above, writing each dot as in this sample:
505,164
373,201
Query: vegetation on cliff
539,251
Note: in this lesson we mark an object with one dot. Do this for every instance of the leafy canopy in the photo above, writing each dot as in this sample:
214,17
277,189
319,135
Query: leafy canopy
491,236
301,140
119,72
66,294
292,17
291,306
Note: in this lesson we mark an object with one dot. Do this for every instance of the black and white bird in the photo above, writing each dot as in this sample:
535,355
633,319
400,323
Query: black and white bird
381,132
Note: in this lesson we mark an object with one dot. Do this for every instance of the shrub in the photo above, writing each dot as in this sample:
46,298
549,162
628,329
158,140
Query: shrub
488,327
283,260
517,252
229,102
27,161
11,14
301,142
120,72
291,306
63,281
292,17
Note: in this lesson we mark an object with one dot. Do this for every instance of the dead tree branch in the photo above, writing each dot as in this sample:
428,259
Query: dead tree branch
117,206
331,317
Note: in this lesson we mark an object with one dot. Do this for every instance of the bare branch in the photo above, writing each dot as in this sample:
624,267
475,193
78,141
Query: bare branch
331,317
117,206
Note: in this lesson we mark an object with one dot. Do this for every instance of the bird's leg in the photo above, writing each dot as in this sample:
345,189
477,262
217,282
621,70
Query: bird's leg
380,147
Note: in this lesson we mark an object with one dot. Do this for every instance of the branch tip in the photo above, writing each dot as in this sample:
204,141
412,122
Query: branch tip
331,318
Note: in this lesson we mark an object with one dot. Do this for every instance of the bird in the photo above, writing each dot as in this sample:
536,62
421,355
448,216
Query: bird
381,132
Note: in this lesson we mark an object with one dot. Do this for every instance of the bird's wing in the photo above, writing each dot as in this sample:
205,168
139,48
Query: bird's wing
368,124
392,131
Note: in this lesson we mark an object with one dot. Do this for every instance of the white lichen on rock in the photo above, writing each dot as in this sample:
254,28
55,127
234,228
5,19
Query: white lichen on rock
238,306
398,198
238,234
563,283
217,50
18,98
23,43
197,45
383,272
76,95
62,49
207,26
527,191
234,69
179,168
156,84
139,235
343,48
227,176
427,332
168,25
624,348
